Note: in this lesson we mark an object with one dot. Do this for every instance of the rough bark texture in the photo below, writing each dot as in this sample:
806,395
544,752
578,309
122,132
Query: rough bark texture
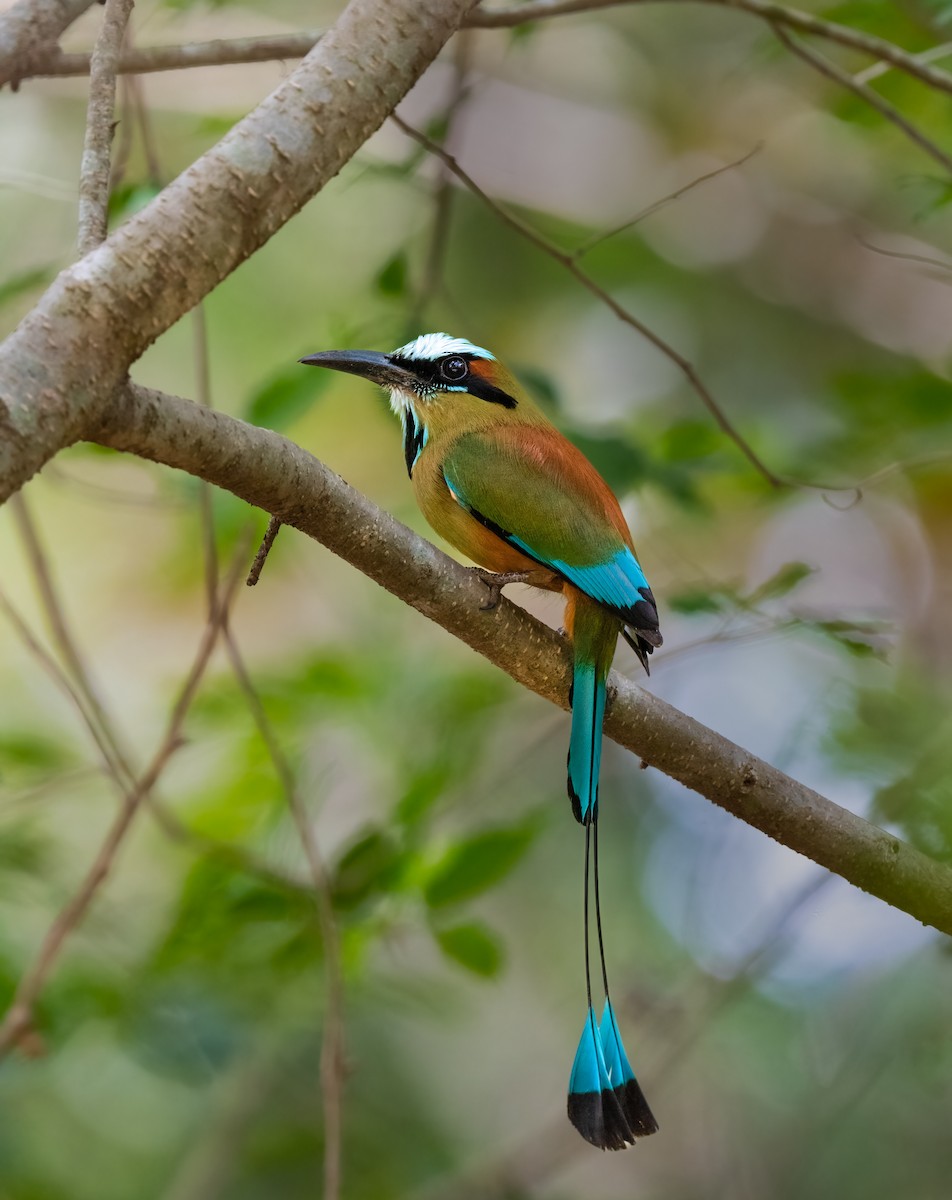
70,353
268,471
28,32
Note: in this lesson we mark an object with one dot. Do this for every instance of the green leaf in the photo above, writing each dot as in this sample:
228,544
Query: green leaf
22,850
688,440
474,865
285,396
367,866
698,600
474,946
522,32
790,575
127,199
392,278
33,751
853,636
422,792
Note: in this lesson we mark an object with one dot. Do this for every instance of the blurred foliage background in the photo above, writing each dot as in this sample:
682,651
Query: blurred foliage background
791,1034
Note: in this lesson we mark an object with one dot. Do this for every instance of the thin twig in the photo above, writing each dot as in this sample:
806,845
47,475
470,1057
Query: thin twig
792,18
567,260
664,201
96,167
19,1017
830,70
77,684
942,266
100,723
274,524
432,277
332,1045
878,69
114,766
49,664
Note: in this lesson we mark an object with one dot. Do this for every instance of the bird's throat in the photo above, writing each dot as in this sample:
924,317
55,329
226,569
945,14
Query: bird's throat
415,433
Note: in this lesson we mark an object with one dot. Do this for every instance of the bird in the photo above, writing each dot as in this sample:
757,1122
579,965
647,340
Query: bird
496,479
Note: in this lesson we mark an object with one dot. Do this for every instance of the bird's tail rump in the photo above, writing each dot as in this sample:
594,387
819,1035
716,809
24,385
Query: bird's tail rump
594,633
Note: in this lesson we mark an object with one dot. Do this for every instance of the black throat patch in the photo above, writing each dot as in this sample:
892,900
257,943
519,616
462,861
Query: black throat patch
414,438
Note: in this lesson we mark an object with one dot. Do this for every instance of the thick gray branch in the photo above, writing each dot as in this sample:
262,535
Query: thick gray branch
268,471
67,357
29,31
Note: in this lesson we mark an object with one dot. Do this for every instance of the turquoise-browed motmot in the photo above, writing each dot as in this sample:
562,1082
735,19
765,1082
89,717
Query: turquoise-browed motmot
499,482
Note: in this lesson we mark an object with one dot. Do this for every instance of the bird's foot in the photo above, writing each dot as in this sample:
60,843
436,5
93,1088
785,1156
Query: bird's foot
496,581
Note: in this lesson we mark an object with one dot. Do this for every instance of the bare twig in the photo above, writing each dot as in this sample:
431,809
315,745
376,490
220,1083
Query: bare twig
59,677
274,524
83,694
878,69
432,277
829,69
96,168
18,1019
942,266
332,1045
664,201
220,53
79,677
779,14
568,261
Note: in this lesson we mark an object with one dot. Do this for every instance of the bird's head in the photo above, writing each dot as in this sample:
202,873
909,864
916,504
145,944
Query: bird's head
437,378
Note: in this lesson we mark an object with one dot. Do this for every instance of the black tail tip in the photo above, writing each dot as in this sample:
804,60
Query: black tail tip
612,1119
640,1118
589,817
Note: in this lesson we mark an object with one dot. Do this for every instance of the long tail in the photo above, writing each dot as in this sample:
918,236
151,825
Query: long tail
605,1103
594,632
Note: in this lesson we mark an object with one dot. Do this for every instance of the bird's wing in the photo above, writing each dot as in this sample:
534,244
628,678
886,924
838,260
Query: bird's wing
533,488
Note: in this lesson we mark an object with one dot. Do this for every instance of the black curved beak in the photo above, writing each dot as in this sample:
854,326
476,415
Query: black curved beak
368,364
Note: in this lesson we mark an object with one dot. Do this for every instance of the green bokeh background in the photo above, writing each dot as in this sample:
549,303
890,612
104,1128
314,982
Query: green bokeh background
792,1035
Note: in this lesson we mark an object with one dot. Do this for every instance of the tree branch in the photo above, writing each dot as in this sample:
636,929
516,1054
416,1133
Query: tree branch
223,52
272,473
66,358
569,260
95,169
28,33
779,14
829,70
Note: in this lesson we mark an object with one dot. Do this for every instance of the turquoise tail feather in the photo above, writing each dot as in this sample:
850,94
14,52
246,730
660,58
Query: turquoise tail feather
593,1107
638,1115
585,744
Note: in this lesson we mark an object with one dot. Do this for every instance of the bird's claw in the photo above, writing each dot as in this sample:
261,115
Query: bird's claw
495,582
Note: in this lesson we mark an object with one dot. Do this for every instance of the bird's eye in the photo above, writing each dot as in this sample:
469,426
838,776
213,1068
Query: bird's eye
454,368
